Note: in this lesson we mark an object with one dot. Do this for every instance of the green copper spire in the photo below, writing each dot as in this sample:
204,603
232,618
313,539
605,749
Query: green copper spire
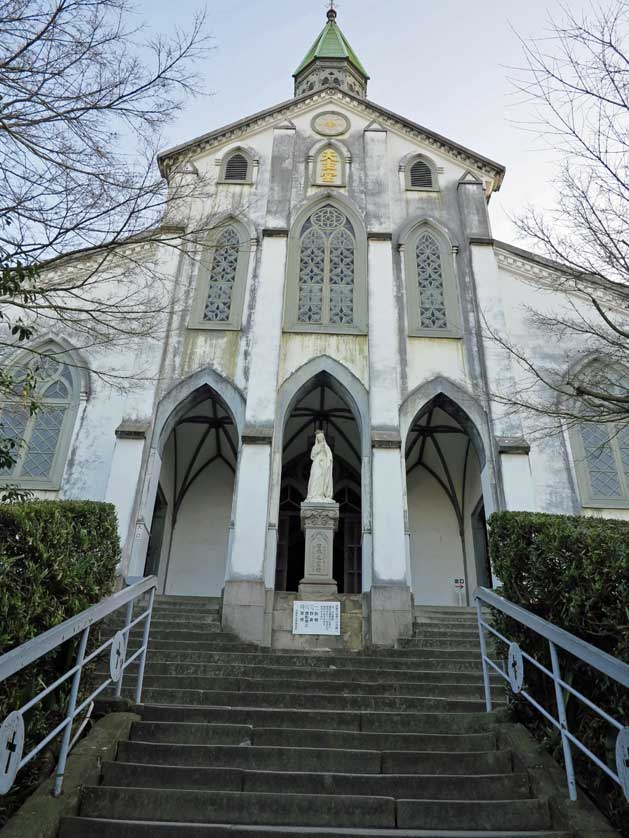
331,62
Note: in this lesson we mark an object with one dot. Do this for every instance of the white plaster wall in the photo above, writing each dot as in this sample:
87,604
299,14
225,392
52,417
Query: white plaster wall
198,555
428,358
436,555
349,350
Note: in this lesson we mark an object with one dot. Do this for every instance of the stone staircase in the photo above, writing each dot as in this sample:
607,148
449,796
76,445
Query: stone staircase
239,741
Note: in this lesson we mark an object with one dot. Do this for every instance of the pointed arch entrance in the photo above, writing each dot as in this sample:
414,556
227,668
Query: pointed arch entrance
321,402
445,457
189,538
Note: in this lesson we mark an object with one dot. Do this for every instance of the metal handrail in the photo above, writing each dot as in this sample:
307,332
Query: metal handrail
12,730
514,674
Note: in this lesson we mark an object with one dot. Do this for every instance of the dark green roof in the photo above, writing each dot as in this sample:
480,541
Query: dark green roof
331,43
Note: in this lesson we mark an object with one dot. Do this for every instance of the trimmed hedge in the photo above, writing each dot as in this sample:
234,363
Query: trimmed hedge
56,559
573,572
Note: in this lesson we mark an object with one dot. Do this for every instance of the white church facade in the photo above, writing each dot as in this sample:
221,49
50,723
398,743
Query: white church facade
346,284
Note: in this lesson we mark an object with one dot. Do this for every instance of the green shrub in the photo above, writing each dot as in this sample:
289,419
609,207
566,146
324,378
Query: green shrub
56,559
573,572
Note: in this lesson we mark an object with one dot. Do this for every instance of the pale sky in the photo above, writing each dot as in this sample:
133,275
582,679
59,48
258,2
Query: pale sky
445,65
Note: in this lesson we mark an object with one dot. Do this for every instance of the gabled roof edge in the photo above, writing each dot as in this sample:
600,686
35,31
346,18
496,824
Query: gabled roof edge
164,156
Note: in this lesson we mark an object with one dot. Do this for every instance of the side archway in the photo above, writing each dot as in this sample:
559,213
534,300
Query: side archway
189,485
448,492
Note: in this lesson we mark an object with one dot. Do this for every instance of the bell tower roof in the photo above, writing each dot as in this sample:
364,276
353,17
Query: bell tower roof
331,61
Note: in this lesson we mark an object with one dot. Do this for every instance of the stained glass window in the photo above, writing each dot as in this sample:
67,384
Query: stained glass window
37,437
432,303
326,269
222,276
606,444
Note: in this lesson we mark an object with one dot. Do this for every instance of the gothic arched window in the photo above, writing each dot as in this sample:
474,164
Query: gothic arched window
222,278
430,285
326,269
327,273
41,440
601,449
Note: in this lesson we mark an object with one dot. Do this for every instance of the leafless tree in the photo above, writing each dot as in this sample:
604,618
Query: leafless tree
577,80
84,97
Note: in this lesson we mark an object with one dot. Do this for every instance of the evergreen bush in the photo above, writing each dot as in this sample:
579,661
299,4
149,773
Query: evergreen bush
56,559
573,572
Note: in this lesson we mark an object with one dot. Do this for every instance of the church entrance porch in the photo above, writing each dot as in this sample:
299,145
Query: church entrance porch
191,521
448,547
320,407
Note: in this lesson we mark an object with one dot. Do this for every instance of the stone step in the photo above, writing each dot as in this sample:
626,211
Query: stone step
238,670
416,787
199,733
335,760
73,827
474,692
221,644
286,737
185,617
216,642
183,601
508,815
445,643
306,700
167,805
378,722
238,807
191,734
438,630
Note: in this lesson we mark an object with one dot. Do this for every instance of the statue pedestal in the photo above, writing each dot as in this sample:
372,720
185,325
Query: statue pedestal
319,521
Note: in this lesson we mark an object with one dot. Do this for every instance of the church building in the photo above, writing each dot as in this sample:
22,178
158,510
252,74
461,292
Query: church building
346,281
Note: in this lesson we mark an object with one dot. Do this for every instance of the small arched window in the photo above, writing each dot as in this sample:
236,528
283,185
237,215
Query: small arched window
222,277
40,440
421,174
601,449
329,269
237,167
433,307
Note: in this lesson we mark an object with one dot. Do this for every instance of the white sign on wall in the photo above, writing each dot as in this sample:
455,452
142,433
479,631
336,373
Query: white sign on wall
317,618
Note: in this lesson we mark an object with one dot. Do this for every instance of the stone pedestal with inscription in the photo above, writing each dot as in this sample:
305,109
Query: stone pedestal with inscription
319,521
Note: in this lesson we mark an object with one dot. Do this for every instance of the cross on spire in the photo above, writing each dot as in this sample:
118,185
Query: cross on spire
332,11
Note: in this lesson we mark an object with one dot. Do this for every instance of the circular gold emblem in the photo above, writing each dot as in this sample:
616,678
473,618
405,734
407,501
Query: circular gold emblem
330,124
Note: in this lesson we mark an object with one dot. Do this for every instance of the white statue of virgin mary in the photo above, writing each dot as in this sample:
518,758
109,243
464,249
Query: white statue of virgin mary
320,484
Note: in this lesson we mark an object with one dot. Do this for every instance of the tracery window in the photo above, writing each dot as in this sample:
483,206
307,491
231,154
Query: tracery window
602,448
222,275
326,269
41,440
433,306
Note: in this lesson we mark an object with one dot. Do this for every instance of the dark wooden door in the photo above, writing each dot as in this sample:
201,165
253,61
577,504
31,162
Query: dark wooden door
156,537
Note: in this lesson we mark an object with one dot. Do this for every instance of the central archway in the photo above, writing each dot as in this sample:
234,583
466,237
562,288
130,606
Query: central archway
325,395
320,407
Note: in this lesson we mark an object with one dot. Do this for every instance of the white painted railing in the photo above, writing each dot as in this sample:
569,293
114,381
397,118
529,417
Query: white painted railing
514,674
12,730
